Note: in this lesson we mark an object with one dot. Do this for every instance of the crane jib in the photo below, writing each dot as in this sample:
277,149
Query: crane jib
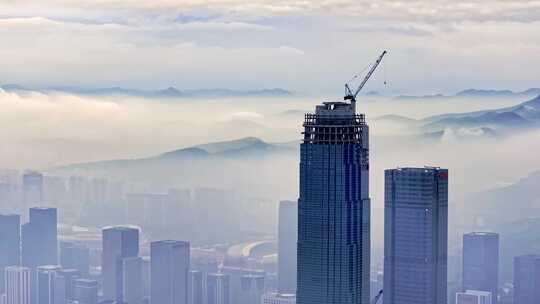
348,93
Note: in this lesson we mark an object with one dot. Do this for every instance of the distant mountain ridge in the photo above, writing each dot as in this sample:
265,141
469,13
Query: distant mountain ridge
249,147
525,115
476,93
170,92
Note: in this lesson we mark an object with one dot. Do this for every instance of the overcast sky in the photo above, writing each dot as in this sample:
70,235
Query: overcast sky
304,46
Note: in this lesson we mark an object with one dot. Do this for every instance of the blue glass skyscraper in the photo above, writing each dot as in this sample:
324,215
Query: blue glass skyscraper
334,207
415,236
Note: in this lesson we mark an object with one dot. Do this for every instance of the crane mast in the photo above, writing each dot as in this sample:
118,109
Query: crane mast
349,95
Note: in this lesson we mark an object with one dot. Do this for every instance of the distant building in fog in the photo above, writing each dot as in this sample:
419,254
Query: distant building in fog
132,280
119,242
65,281
527,279
39,238
236,274
145,272
32,189
195,287
276,298
10,240
86,291
75,256
169,272
46,283
18,285
474,297
218,288
415,236
481,262
252,289
287,238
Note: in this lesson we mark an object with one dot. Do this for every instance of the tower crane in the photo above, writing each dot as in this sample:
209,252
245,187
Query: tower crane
349,95
377,297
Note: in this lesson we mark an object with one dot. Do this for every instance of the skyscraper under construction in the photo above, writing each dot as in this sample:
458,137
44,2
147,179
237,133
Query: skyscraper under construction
334,207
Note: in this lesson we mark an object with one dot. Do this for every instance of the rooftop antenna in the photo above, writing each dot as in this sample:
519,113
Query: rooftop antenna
349,95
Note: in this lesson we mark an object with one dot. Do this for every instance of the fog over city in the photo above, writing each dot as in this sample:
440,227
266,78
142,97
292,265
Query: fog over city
66,134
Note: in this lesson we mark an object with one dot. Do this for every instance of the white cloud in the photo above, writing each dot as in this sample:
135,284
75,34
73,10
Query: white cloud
411,10
300,45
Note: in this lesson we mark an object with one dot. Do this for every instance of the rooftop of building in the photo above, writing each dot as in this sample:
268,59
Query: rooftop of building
43,208
528,256
480,233
334,123
121,227
419,169
17,268
172,242
86,281
49,267
283,295
217,274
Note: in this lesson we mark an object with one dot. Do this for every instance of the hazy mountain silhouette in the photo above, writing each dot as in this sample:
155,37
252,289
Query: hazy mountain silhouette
249,147
501,121
169,92
475,93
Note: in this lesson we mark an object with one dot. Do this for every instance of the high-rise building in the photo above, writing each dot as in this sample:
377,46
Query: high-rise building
481,262
132,280
145,272
217,288
195,287
474,297
10,240
119,242
67,278
287,238
39,238
46,283
75,256
415,235
32,189
334,208
39,243
236,274
169,272
527,279
276,298
60,285
86,291
18,285
252,289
